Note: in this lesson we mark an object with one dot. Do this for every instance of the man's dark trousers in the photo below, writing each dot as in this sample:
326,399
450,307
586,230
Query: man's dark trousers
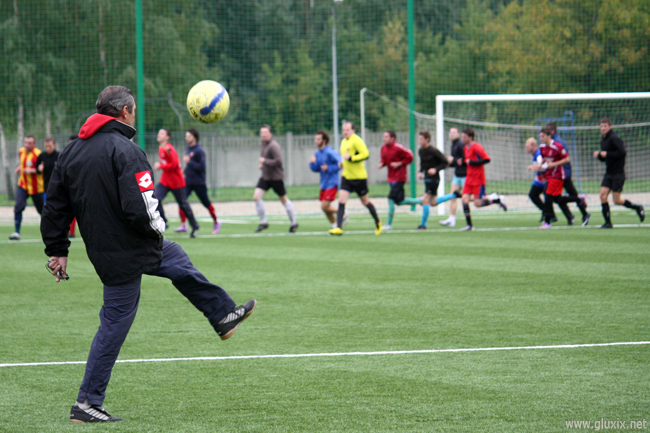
121,304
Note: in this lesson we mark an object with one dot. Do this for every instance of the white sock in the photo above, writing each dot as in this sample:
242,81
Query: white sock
289,207
84,405
452,218
259,206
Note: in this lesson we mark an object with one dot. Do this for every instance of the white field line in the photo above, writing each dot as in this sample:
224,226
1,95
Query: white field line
366,232
340,354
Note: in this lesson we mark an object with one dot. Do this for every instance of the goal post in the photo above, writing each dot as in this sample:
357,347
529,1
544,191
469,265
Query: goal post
503,122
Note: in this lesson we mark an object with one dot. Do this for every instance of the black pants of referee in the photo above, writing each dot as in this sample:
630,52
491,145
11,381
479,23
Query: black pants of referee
121,304
181,199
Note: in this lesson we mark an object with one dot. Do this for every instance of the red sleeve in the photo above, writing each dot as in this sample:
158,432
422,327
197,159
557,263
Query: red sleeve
383,155
170,162
407,156
480,151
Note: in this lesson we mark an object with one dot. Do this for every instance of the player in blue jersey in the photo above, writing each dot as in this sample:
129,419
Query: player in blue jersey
326,162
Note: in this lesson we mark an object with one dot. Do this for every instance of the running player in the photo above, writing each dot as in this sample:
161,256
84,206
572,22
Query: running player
475,158
612,153
397,158
30,183
432,162
456,160
355,177
172,179
554,156
326,162
195,179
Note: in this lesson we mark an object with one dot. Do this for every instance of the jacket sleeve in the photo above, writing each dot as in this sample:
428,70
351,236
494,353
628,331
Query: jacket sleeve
361,151
170,163
313,166
274,158
197,161
407,156
39,159
617,149
136,190
333,161
57,216
442,160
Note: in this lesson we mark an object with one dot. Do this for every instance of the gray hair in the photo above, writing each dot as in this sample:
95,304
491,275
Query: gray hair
113,99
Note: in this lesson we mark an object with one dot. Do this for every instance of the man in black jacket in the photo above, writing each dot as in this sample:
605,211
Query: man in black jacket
105,181
456,160
612,152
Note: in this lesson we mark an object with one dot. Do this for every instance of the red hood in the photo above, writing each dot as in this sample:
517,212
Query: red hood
92,125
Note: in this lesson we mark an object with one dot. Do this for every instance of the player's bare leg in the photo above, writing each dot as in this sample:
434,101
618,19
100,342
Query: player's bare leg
330,212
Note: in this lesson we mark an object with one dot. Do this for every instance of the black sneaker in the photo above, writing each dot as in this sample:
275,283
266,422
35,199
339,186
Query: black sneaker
553,219
261,227
228,325
421,227
585,219
607,226
293,228
641,213
193,232
92,414
571,220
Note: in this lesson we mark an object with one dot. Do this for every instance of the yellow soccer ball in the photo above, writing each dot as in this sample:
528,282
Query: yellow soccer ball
208,101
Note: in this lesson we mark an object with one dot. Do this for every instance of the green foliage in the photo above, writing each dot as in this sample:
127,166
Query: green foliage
274,56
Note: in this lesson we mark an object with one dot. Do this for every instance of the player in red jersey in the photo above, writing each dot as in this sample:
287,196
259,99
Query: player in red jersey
475,158
554,156
172,179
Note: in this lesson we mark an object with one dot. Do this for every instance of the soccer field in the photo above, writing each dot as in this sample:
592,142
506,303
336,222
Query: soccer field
383,326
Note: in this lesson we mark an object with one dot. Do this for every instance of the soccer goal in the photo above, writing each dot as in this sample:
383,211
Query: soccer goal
502,123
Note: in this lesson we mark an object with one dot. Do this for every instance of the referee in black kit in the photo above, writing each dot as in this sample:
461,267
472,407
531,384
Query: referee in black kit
612,152
105,181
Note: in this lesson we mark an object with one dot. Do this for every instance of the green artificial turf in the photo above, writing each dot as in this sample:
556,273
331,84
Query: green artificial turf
509,285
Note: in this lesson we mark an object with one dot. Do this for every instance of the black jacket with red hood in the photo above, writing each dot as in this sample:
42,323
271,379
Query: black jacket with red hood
105,181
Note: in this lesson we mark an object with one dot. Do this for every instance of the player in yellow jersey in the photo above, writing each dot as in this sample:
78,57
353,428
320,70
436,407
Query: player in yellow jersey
355,177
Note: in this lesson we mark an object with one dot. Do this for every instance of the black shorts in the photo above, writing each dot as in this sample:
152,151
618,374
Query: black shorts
431,186
396,192
614,181
277,185
360,186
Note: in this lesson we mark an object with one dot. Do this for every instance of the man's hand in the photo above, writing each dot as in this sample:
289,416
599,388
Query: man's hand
460,161
396,164
420,175
17,170
533,167
313,160
262,160
29,170
41,167
323,167
156,165
450,159
187,158
381,165
346,156
432,171
340,165
57,266
603,154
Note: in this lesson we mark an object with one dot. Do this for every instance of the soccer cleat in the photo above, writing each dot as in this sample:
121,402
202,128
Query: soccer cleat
216,227
545,226
585,219
553,219
14,236
493,196
293,228
92,414
641,213
228,325
387,227
378,227
336,231
261,227
421,227
502,203
607,226
571,220
181,229
193,232
448,222
467,229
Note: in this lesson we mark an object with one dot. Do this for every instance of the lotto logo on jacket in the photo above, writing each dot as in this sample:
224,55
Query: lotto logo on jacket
145,182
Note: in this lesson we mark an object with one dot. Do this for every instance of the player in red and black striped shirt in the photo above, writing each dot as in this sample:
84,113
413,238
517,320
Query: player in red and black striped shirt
30,183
